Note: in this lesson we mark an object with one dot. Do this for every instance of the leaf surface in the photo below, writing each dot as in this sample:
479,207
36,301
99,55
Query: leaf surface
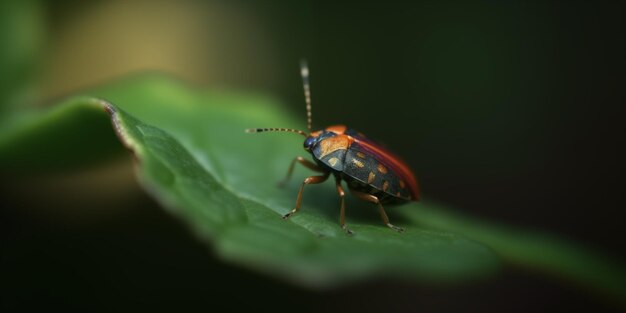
196,159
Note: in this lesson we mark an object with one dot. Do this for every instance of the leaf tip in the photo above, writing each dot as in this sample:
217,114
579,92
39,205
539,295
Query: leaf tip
108,107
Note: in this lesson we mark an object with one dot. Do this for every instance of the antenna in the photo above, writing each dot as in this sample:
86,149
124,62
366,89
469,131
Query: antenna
304,71
272,129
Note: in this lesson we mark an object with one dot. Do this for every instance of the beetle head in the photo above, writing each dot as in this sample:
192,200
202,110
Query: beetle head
312,140
315,138
309,142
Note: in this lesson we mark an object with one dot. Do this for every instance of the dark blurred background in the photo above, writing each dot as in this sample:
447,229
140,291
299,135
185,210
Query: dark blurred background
509,111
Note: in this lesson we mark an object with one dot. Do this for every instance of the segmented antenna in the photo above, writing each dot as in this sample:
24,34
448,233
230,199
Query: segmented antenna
304,71
272,129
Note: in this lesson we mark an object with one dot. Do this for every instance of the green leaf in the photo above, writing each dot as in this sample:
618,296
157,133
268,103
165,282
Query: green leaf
194,157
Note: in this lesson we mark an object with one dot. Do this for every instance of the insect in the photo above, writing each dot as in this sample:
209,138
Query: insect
371,173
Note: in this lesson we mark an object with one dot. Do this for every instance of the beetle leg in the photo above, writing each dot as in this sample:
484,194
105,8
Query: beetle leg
371,198
308,181
342,212
308,164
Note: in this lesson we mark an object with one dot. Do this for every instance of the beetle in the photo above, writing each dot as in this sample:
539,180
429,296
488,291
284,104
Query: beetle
371,172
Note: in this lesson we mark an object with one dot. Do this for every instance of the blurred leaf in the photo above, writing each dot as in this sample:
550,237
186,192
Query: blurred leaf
21,35
536,250
68,136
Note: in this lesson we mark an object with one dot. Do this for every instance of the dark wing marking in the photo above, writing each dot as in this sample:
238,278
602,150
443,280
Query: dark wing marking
399,176
364,167
335,159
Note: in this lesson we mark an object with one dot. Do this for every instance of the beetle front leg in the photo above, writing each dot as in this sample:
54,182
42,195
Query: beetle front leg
308,181
306,163
371,198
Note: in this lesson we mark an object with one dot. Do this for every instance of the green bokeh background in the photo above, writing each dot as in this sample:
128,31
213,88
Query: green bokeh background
512,111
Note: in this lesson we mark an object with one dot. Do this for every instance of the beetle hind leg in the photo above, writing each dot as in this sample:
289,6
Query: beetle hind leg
373,199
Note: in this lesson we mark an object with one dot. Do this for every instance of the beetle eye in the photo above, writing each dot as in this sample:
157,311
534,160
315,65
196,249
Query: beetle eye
309,142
